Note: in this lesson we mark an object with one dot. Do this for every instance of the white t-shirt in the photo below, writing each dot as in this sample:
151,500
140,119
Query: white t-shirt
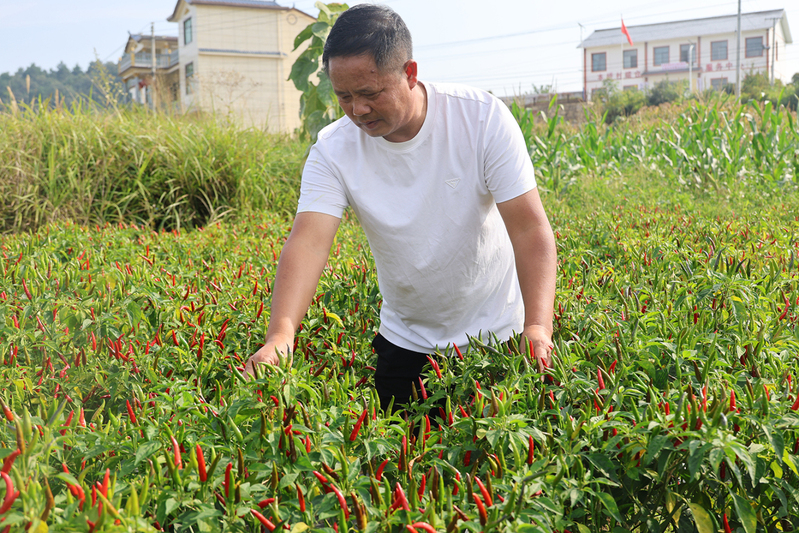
445,264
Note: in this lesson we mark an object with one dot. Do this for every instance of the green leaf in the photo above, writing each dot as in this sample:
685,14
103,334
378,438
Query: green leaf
321,29
147,449
704,524
301,70
604,464
303,36
655,445
583,528
610,505
776,440
745,513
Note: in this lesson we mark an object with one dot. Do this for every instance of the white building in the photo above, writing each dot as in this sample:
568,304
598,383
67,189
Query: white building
704,49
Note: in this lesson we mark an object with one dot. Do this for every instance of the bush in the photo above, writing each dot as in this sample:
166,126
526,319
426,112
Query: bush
666,91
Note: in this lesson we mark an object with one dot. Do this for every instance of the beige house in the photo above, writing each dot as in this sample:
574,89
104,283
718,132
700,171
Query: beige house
704,49
235,57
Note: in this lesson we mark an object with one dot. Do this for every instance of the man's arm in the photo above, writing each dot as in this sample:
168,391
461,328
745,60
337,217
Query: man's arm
298,271
536,265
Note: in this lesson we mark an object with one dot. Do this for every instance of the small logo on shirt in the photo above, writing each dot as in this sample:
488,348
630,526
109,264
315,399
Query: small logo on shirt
453,183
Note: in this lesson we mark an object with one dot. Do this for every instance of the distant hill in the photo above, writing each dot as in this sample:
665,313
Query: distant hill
71,84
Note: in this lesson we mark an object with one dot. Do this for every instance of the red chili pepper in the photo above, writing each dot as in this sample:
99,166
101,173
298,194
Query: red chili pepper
300,497
600,379
9,461
8,413
481,510
424,525
106,482
613,366
727,528
131,414
732,401
530,449
11,495
322,479
704,398
228,468
399,497
267,501
456,489
768,396
422,485
201,464
357,427
263,520
25,288
421,387
458,351
484,491
435,366
341,501
784,311
176,452
379,474
795,405
467,458
68,422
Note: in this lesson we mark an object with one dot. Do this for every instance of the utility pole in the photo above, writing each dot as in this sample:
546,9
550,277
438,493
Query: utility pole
738,56
152,53
691,68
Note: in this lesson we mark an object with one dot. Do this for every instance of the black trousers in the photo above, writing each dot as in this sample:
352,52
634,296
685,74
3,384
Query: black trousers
396,369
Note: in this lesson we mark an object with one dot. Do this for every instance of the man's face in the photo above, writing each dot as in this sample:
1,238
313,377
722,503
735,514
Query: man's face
380,103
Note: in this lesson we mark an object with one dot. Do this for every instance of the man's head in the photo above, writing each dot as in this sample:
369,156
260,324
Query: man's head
370,29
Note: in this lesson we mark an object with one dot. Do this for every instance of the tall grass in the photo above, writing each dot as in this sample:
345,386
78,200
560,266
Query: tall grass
95,166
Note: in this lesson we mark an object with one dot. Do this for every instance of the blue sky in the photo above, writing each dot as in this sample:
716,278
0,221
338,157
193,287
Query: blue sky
506,46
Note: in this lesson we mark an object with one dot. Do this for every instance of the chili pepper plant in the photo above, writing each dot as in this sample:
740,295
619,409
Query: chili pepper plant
672,402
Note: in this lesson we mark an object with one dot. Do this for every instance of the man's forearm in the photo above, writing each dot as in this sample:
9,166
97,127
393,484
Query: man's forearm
536,265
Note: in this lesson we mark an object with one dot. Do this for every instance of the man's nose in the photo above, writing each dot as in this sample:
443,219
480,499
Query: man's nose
360,107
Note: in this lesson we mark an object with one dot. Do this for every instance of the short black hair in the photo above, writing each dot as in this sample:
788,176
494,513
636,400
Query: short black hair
373,29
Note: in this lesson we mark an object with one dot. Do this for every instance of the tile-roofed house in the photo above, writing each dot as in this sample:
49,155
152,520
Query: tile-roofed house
661,51
235,57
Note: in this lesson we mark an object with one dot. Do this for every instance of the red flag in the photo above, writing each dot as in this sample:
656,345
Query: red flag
625,32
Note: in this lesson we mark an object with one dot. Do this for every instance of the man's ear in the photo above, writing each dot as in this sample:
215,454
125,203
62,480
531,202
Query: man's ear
409,70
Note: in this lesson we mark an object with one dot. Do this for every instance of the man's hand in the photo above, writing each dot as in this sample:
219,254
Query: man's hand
270,354
541,341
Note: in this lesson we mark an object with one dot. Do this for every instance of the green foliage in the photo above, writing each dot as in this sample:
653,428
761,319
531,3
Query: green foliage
666,91
71,85
93,166
618,103
709,146
318,103
757,87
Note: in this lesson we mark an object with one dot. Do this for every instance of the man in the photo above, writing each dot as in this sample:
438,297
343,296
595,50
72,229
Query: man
441,181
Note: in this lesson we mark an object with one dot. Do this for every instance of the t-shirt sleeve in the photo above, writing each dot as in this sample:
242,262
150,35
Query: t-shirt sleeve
508,168
321,190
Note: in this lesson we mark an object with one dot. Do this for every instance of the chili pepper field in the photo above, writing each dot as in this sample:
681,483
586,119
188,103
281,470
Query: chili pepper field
672,403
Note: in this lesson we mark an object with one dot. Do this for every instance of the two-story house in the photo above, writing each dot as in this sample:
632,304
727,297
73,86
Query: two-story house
704,49
235,57
136,69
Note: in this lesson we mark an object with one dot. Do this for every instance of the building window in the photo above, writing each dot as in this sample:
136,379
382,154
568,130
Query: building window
754,46
598,62
718,50
661,55
684,50
188,36
718,83
189,77
631,59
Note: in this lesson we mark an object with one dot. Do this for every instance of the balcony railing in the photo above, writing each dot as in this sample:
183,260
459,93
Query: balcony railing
145,60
